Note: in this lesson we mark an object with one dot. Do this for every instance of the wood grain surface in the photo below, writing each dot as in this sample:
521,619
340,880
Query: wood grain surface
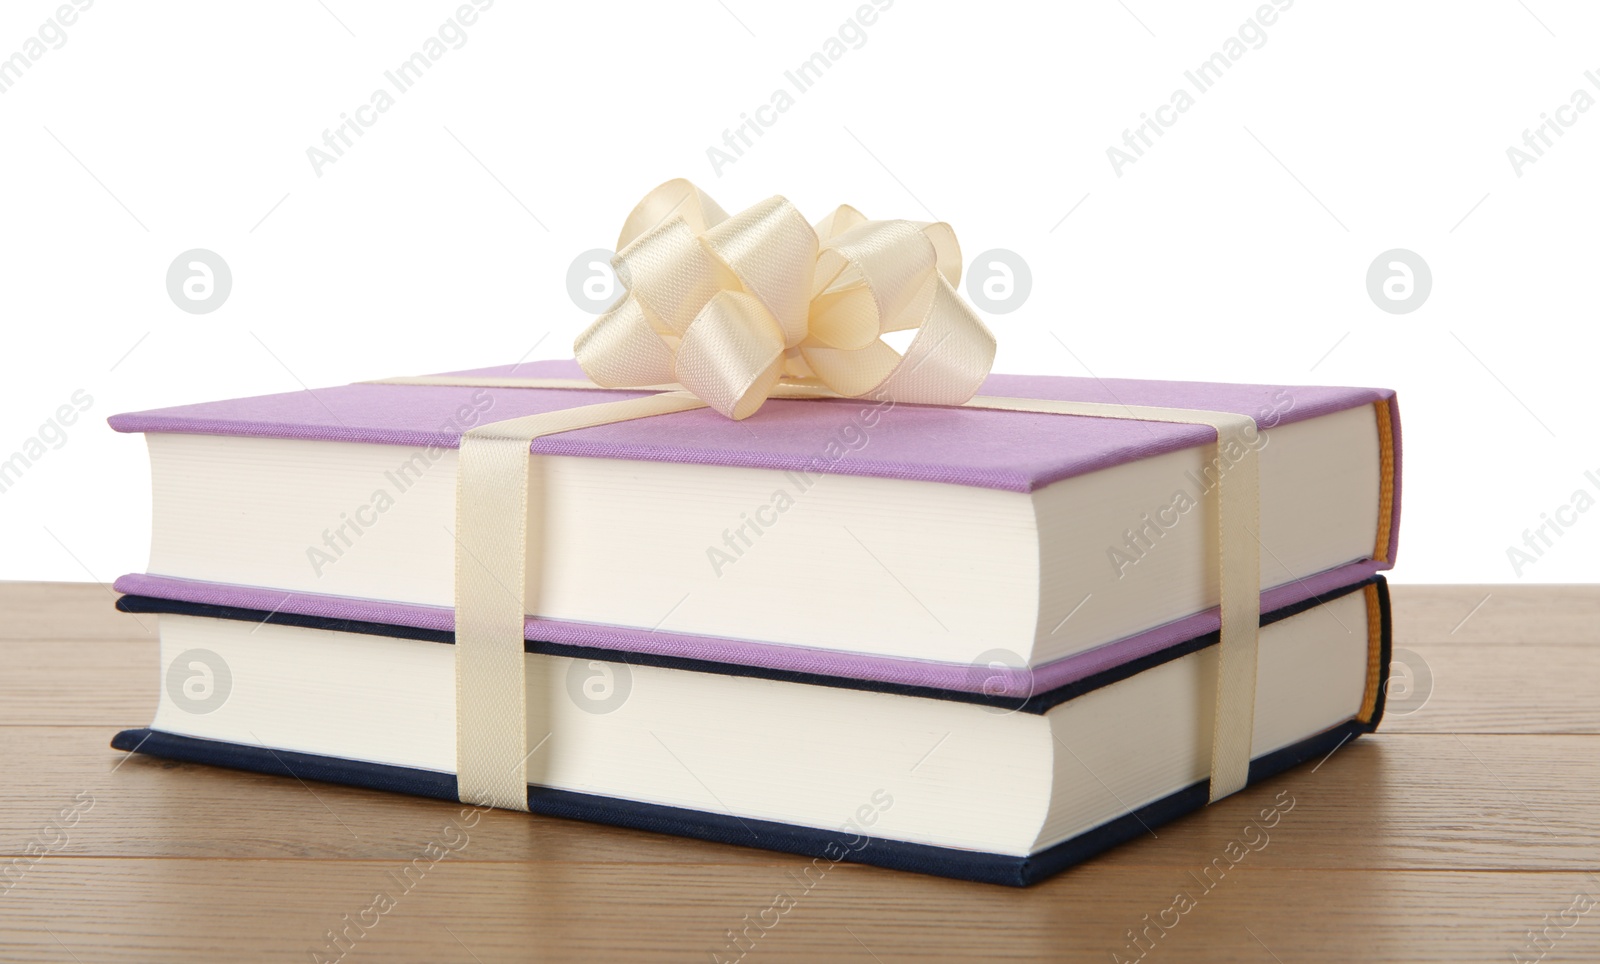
1467,829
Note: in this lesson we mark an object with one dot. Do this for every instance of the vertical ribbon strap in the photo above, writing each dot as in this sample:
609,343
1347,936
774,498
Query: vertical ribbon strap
492,483
1238,501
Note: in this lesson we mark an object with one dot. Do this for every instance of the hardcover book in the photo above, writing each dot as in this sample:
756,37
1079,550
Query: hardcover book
979,784
841,527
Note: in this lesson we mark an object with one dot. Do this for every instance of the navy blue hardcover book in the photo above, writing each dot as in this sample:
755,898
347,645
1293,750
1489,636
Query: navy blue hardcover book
969,783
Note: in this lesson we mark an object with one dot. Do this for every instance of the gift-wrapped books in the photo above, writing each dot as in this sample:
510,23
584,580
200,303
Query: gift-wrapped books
973,642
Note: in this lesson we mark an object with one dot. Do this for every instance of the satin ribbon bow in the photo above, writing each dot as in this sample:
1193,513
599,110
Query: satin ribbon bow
728,306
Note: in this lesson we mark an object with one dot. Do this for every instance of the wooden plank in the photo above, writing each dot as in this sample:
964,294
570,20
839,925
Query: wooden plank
1494,688
1411,801
1496,614
142,806
37,611
459,910
103,683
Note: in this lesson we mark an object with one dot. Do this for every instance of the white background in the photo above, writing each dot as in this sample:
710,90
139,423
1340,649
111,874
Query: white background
1236,249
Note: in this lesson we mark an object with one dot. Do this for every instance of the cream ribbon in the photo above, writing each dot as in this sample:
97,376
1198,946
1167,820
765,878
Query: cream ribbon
726,312
1238,501
492,485
491,591
728,306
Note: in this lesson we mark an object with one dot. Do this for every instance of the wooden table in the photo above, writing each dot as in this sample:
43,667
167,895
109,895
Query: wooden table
1447,836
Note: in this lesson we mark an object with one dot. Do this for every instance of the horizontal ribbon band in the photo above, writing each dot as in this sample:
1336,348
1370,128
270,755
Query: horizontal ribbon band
491,713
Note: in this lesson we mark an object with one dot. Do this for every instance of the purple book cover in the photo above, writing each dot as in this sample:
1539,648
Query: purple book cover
1013,451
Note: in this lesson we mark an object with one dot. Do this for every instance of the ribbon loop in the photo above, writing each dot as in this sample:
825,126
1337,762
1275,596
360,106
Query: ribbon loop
671,274
623,348
732,355
676,198
949,343
770,248
730,307
893,260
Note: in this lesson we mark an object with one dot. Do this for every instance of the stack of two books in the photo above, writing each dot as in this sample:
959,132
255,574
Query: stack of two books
974,643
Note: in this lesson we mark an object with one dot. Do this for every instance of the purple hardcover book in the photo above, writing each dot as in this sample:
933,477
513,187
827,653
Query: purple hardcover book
823,570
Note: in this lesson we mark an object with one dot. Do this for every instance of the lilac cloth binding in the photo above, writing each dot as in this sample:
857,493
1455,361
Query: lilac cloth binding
885,669
1015,451
1012,451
